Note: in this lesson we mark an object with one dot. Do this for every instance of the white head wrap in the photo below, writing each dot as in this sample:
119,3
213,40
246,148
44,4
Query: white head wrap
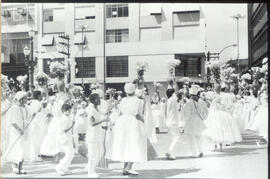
129,88
19,95
99,92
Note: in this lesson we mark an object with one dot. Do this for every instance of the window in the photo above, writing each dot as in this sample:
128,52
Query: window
190,67
86,67
117,66
82,13
116,35
116,10
48,15
46,64
188,16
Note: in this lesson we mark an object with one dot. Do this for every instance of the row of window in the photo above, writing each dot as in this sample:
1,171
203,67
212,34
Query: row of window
112,11
117,66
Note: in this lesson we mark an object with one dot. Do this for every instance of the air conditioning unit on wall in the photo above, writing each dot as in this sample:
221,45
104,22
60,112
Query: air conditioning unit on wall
5,13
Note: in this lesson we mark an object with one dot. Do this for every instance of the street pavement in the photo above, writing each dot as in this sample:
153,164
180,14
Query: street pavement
243,160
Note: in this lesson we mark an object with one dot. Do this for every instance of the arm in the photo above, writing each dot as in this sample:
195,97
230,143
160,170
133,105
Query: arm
17,128
68,129
93,123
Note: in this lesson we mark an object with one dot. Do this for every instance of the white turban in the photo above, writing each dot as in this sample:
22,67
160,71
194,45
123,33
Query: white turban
99,92
193,90
19,95
129,88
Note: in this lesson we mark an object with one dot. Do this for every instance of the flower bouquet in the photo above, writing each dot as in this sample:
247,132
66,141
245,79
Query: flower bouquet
42,79
172,64
57,69
215,71
157,86
111,92
141,68
22,81
94,86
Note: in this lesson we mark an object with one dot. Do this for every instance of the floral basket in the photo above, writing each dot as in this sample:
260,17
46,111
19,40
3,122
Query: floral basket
141,68
22,81
157,86
42,79
57,69
172,64
215,71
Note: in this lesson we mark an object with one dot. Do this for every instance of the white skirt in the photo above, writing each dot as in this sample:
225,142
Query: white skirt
222,128
130,141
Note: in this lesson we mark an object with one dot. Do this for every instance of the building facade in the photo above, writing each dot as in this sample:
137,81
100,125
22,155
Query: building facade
17,20
116,36
257,33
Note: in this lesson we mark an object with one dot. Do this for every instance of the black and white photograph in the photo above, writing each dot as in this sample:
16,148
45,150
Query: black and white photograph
134,90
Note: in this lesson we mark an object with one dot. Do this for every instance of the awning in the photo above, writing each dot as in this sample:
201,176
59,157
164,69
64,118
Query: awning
79,40
185,8
156,11
47,40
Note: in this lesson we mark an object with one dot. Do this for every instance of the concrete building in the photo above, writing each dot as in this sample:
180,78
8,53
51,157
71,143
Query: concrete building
17,19
257,33
125,34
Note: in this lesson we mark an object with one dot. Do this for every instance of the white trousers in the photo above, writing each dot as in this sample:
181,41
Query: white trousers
175,133
195,145
95,151
64,164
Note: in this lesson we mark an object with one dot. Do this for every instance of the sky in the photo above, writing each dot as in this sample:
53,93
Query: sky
221,29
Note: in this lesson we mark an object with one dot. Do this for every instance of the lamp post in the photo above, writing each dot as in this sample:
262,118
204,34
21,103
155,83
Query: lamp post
237,17
233,45
29,54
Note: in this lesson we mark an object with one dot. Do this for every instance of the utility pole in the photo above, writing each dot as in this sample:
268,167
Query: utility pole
237,17
64,48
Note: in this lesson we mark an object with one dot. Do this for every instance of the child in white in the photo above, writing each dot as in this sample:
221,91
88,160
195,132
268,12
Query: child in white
94,134
66,140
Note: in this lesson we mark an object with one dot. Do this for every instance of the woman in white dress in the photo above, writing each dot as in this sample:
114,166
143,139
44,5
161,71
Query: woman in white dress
156,111
131,143
50,145
260,124
219,129
38,128
194,113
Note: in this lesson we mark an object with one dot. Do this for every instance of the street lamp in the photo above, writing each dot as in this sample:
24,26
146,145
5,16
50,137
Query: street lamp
233,45
237,17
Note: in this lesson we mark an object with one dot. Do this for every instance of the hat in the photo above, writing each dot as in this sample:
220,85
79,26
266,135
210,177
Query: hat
99,92
129,88
19,95
194,90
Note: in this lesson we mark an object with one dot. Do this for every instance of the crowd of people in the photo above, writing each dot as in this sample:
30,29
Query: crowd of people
110,126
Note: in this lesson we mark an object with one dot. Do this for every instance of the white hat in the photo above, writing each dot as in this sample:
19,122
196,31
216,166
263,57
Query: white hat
129,88
19,95
99,92
193,90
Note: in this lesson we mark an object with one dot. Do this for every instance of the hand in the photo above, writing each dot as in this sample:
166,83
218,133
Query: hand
21,131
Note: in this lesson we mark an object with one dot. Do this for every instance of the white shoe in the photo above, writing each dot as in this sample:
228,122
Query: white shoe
132,172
